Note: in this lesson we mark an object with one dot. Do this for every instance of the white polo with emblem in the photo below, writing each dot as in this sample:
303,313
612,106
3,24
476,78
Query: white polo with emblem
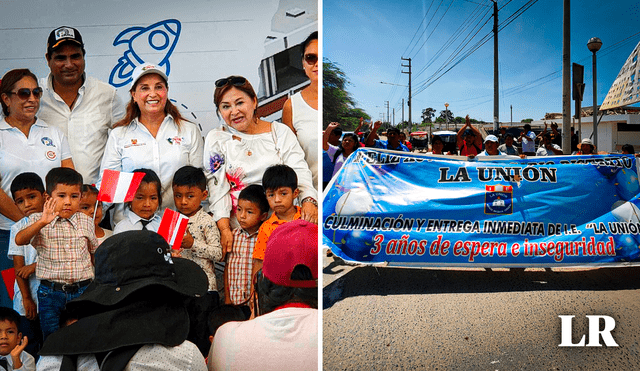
44,149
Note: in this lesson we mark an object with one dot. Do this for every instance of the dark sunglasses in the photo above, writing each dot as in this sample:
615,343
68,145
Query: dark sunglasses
24,93
311,58
233,80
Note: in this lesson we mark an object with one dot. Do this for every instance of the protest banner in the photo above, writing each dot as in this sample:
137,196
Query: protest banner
406,209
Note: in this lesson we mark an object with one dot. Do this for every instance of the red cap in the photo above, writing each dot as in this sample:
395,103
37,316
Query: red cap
292,244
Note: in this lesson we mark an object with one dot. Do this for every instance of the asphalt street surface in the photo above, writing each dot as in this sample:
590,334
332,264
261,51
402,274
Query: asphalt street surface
476,319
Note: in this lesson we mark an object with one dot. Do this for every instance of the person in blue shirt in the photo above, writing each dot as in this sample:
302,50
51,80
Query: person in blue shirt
491,147
392,142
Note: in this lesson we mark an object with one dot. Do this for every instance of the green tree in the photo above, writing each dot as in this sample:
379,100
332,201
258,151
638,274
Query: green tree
427,114
446,115
350,120
337,104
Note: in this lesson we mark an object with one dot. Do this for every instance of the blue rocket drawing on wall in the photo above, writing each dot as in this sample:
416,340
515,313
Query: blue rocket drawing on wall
153,44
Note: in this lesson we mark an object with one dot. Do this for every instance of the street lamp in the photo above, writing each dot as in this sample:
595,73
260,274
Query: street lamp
594,45
446,114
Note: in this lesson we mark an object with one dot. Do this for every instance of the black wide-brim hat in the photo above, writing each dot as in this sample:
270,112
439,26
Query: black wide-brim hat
130,261
135,322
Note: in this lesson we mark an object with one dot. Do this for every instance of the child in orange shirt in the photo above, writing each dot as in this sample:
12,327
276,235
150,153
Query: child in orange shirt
280,184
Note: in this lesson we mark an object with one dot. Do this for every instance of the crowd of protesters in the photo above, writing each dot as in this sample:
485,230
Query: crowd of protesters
469,142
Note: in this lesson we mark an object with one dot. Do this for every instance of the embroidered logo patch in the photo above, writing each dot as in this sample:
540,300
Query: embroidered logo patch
134,143
175,140
51,155
65,32
498,199
47,142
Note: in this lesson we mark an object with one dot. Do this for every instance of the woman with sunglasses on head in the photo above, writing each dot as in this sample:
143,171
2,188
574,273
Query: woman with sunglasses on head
237,154
300,111
26,144
152,135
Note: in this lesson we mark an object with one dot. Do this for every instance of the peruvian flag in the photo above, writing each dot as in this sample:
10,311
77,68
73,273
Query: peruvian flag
172,227
118,187
499,188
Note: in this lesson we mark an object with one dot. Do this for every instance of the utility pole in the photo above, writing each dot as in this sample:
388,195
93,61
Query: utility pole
394,117
496,98
402,109
409,101
566,79
386,102
511,122
594,45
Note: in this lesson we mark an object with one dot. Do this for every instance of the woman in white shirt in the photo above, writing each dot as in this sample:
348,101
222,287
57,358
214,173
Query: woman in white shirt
26,145
237,154
152,135
300,111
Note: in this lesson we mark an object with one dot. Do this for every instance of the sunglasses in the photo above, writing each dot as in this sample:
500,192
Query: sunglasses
24,93
233,80
311,58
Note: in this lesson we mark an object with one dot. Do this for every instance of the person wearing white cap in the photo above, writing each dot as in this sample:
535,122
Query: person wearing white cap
82,107
586,147
491,147
152,135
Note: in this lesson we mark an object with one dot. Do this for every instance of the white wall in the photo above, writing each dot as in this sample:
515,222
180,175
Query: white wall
217,39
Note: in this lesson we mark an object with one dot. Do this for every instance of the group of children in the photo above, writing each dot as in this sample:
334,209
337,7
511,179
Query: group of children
53,246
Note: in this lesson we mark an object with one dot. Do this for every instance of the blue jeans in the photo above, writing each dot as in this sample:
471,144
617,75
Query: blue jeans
50,305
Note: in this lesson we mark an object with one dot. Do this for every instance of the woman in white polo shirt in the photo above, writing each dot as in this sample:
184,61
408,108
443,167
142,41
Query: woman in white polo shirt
26,144
152,135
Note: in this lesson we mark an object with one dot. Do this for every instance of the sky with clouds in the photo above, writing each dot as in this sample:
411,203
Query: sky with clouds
368,38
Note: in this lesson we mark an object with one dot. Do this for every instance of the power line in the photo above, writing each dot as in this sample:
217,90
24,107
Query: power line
437,75
418,29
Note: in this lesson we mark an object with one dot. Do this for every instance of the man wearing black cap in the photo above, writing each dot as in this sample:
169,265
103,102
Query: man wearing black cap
83,107
284,336
133,315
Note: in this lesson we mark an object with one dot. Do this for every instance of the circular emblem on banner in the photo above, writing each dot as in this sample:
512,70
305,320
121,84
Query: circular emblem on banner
51,155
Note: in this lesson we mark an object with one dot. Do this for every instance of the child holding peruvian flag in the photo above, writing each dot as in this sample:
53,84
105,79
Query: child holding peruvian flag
201,244
142,212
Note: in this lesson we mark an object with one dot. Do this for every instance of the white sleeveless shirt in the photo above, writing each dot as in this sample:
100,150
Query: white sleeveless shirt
305,121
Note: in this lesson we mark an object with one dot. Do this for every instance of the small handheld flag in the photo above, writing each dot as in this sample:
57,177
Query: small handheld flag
172,227
118,187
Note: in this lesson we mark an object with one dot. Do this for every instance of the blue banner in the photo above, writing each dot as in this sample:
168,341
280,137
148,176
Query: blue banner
408,209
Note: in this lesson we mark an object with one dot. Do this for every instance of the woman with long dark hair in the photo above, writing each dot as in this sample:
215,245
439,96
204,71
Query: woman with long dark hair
26,144
152,135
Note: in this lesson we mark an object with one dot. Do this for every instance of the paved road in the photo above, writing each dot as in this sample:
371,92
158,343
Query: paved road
447,319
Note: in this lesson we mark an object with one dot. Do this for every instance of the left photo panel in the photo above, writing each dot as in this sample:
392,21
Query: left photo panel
159,184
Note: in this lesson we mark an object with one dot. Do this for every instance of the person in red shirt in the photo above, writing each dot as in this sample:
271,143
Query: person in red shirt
469,139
